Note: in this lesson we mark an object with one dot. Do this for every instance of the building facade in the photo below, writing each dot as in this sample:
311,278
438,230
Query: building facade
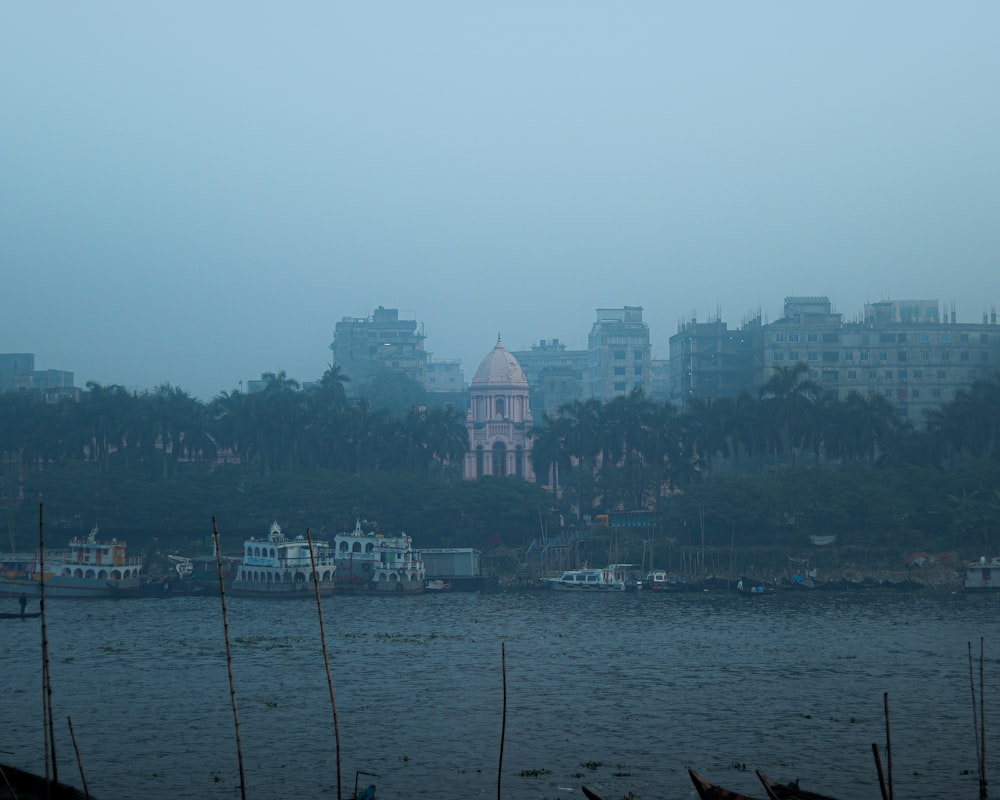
499,420
557,376
904,350
619,353
363,346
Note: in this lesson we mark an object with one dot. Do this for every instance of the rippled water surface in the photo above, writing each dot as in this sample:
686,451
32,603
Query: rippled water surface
619,692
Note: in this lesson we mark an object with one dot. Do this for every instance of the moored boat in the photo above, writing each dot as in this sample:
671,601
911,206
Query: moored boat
17,783
983,576
370,561
87,567
788,791
613,578
281,567
709,791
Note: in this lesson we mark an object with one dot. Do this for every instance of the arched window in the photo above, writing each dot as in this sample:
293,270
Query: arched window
500,407
519,461
499,459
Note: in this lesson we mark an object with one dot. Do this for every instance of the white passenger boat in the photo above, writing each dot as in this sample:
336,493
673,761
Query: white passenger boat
613,578
983,576
87,567
369,561
281,567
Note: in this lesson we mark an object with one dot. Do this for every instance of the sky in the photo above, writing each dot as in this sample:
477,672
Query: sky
196,193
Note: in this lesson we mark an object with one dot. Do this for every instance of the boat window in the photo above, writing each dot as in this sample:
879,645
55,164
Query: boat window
357,547
369,547
249,551
343,547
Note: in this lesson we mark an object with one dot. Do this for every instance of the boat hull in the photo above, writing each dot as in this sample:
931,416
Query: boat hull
299,589
69,586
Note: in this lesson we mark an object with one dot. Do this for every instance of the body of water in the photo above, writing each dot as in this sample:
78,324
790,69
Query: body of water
621,692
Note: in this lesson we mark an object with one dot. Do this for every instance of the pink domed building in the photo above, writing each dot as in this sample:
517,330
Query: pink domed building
499,421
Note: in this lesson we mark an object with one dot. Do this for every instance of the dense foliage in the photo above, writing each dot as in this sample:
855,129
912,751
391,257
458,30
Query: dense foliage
763,469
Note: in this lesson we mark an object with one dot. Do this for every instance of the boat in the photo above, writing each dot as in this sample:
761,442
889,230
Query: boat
659,580
20,615
278,566
788,791
16,783
754,588
370,561
613,578
87,567
437,585
709,791
983,576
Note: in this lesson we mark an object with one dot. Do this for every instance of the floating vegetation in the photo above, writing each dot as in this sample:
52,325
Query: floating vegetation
592,764
739,766
535,773
265,642
271,703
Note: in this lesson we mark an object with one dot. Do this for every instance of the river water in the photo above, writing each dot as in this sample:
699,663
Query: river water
621,692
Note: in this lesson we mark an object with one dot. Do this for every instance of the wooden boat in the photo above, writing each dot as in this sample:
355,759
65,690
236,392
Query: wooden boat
709,791
591,795
788,791
16,783
19,615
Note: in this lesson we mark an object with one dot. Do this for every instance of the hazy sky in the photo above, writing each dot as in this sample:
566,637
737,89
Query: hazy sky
196,193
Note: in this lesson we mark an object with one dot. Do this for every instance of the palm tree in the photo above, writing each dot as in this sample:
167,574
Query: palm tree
787,400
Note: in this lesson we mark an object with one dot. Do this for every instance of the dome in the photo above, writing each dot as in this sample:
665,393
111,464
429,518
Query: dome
499,368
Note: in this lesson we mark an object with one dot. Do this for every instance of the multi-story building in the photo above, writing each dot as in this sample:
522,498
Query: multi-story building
12,365
445,376
901,350
904,350
557,376
619,352
362,346
709,360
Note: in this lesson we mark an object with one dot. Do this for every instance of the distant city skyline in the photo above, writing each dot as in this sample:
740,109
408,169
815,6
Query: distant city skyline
196,194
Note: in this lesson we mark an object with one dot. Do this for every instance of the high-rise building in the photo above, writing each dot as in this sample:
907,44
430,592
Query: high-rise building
363,346
12,365
709,360
619,352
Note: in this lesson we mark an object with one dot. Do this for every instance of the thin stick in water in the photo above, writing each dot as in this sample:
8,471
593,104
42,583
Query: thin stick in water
888,743
79,761
975,723
878,769
46,669
229,658
503,724
982,723
326,660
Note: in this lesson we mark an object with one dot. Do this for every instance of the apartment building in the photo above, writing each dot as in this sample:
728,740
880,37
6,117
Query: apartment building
362,346
556,374
619,353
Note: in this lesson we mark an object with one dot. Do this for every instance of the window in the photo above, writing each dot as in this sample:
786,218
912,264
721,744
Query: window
925,337
852,374
901,374
779,337
901,355
941,375
848,356
915,393
812,338
901,394
872,374
830,356
963,337
963,356
619,354
793,337
944,337
830,338
793,355
946,355
637,371
620,386
779,356
619,370
984,356
918,374
935,393
883,355
829,376
984,338
925,356
888,374
812,355
864,355
637,355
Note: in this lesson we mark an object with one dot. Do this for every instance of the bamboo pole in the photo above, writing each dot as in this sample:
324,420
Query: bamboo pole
982,724
50,737
326,660
888,744
975,724
878,769
503,724
79,761
229,657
